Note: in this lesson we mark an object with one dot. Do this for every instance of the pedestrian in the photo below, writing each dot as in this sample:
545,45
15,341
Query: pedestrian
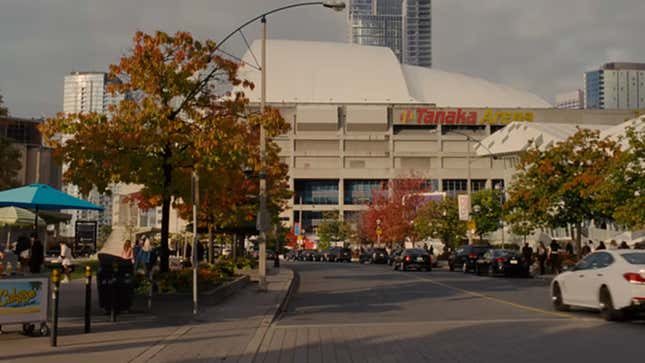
527,253
128,252
542,255
613,245
23,245
601,246
431,251
569,249
586,249
623,246
36,256
136,251
554,256
146,252
65,260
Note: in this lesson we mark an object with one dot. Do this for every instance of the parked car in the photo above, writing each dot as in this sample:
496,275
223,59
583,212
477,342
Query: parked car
392,257
338,254
611,281
501,262
311,255
465,257
294,255
374,255
413,258
271,255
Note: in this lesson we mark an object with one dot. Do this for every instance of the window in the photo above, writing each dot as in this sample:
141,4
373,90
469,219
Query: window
477,185
602,260
360,191
452,187
635,258
316,191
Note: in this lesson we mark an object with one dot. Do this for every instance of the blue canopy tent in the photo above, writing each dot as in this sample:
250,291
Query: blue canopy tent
42,197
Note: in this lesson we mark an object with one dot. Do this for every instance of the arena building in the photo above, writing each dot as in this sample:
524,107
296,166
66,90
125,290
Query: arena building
359,118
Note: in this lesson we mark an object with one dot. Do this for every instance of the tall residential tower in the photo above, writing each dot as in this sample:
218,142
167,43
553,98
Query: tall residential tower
405,26
616,86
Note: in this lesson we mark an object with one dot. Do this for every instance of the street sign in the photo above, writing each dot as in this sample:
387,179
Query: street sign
464,207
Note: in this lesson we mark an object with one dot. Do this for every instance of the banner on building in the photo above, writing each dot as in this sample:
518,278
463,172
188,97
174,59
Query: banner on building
23,300
464,207
460,116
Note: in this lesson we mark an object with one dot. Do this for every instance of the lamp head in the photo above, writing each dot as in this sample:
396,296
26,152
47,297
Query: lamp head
335,5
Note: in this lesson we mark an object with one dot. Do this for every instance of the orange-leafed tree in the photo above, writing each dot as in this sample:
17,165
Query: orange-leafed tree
392,210
174,119
228,195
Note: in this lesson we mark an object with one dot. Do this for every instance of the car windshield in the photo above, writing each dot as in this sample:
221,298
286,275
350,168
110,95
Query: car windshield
635,258
415,251
479,249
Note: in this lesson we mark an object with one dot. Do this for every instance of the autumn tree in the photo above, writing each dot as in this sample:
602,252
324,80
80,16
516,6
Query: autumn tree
174,120
440,219
228,194
9,158
395,205
487,211
560,186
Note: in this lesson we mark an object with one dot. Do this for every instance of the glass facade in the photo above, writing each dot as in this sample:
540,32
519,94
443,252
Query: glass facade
401,25
452,187
316,191
594,89
361,191
310,220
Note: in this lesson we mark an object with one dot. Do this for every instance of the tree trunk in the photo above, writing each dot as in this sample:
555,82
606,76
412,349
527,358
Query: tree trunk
210,243
234,246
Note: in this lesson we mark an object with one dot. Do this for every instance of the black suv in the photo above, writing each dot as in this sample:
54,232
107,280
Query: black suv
374,255
465,257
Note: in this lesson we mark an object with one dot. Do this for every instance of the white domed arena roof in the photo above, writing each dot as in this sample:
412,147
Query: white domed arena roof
325,72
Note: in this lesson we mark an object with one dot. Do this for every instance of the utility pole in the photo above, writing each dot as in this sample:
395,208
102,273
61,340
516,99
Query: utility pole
468,189
262,268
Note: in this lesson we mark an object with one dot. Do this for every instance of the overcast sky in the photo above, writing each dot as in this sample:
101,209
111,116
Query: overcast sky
539,46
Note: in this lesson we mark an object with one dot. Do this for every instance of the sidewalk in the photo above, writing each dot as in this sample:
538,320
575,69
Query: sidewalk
231,330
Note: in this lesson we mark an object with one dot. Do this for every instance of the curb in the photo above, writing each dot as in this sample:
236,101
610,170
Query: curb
269,317
293,288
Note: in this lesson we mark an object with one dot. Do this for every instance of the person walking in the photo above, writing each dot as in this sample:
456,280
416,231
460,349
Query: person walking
527,254
569,249
601,246
542,255
136,251
66,261
128,252
37,256
146,255
586,249
554,256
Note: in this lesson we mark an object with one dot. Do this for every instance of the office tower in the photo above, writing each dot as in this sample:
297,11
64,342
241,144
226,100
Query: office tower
616,86
405,26
570,100
86,92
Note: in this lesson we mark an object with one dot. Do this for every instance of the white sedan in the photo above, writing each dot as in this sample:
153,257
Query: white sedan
610,281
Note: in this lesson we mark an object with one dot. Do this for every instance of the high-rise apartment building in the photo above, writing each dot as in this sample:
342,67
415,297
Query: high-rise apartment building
570,100
616,86
86,92
405,26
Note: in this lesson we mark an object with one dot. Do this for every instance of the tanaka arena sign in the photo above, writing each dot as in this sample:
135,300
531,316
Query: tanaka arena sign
442,116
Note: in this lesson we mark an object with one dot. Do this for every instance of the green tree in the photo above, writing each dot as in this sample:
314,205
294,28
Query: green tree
332,230
487,211
560,186
441,220
176,120
623,193
9,158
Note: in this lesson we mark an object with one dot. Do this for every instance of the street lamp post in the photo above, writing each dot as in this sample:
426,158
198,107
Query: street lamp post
500,188
263,213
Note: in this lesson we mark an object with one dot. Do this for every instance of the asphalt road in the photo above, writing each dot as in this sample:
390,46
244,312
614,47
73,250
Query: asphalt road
369,313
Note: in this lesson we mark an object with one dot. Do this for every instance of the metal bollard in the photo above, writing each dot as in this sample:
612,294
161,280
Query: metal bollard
115,272
88,298
55,291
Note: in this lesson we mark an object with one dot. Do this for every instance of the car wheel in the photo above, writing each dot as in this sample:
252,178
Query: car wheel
478,271
556,297
451,267
607,306
394,267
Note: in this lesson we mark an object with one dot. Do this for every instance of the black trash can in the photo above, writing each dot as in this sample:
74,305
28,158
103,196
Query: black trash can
121,283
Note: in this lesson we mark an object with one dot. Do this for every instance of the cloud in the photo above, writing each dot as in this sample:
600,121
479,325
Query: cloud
539,46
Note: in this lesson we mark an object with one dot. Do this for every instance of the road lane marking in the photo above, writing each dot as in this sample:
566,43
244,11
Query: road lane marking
495,299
